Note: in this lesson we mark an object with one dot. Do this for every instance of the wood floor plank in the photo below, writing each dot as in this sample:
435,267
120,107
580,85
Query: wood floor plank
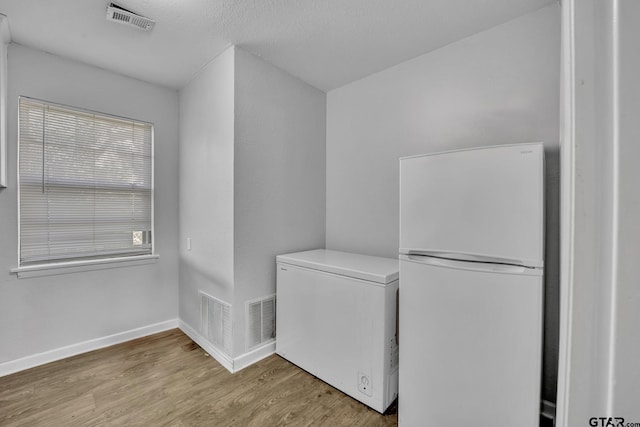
168,380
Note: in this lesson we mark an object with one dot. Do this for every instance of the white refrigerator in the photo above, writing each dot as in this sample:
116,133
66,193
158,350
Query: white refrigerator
471,287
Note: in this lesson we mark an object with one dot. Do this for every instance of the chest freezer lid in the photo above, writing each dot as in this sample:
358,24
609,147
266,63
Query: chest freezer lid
365,267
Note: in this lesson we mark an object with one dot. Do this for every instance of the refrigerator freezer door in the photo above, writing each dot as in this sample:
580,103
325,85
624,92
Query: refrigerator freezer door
471,347
485,202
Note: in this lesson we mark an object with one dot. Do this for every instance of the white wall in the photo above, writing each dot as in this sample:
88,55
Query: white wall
626,371
599,373
279,176
5,38
496,87
45,313
587,210
252,181
206,186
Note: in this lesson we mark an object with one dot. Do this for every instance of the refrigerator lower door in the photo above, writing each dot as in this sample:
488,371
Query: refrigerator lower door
470,351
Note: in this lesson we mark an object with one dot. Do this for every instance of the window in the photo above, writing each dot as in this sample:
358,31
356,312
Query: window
86,185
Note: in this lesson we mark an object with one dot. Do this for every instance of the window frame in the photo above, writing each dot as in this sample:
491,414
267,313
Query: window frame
85,263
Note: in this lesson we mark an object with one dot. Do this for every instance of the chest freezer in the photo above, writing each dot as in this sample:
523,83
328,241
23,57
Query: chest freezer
336,319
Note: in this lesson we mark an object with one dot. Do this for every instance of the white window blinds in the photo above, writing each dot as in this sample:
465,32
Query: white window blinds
86,187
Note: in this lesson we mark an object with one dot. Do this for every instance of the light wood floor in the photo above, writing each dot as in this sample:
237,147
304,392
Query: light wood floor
167,380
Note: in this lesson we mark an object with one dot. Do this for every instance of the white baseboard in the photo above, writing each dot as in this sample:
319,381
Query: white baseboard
230,364
214,352
253,356
13,366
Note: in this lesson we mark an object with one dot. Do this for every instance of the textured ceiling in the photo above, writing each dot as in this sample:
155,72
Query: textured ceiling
326,43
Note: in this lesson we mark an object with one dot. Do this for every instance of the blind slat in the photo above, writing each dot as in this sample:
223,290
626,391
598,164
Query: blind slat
86,186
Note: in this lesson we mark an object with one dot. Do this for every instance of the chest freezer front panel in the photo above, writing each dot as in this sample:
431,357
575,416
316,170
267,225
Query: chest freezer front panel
340,329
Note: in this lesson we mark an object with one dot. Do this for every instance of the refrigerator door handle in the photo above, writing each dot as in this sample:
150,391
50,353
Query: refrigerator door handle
472,265
462,256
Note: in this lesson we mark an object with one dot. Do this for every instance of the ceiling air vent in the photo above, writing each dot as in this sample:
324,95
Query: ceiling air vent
123,16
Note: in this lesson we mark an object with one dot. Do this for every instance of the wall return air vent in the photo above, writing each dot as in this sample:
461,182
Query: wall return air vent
123,16
216,322
260,321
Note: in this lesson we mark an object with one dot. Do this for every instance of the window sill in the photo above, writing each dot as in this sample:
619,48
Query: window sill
87,265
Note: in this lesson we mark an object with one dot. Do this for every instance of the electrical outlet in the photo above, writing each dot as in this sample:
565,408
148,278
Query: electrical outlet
364,384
